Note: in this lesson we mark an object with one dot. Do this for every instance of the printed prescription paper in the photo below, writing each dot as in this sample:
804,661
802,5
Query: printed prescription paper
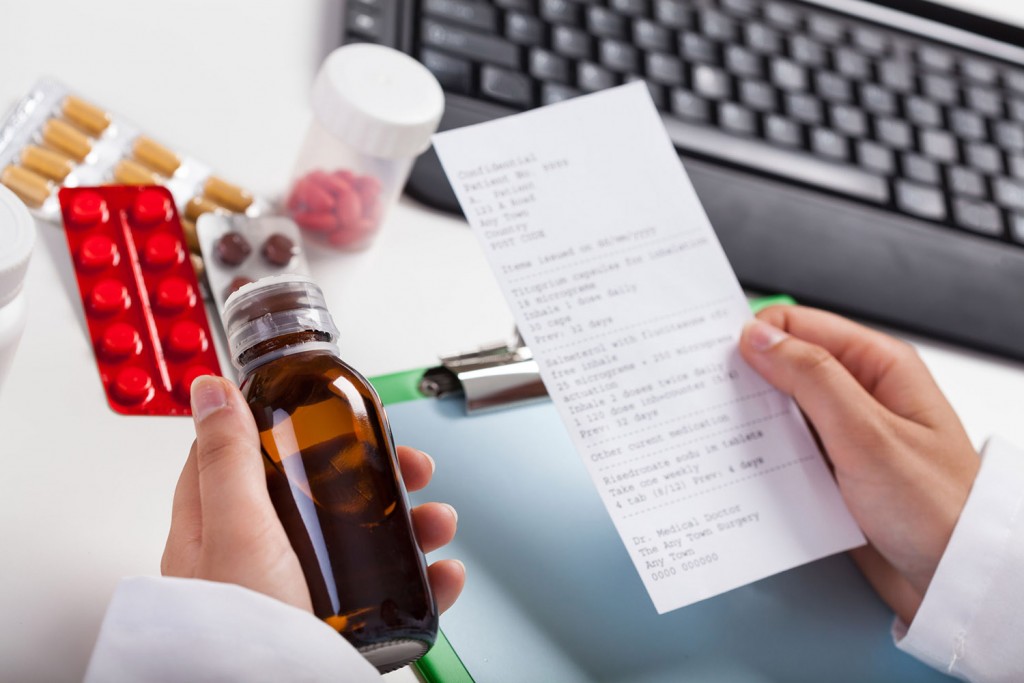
622,291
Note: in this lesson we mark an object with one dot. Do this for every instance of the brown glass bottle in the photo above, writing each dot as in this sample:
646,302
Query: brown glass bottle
332,472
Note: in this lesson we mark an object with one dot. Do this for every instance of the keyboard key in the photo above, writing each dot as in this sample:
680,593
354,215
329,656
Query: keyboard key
1008,193
547,66
940,88
561,12
758,95
1016,109
938,144
852,64
804,108
985,101
1009,136
711,83
365,24
741,8
893,133
788,75
506,86
740,61
470,44
590,77
783,16
849,120
783,131
832,87
1014,80
977,70
918,168
524,29
978,217
762,38
828,143
634,8
984,158
1016,164
672,13
717,26
934,58
454,75
570,42
697,48
877,100
528,6
604,23
826,28
687,105
873,157
923,112
920,200
896,76
780,161
618,56
479,15
551,93
657,92
967,124
651,37
1017,228
965,181
870,40
733,117
665,69
807,51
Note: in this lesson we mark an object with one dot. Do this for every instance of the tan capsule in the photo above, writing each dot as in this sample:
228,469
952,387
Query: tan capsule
197,206
227,195
88,117
191,236
62,136
31,187
197,265
156,156
47,162
128,172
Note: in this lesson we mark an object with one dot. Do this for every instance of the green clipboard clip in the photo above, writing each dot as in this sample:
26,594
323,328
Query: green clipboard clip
442,664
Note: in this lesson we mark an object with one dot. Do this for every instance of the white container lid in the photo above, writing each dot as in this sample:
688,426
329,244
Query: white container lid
379,101
17,235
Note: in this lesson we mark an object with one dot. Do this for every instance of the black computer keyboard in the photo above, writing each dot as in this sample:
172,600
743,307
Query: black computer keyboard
863,159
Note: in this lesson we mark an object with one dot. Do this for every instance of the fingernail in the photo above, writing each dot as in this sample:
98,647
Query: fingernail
761,336
208,396
459,562
455,513
433,465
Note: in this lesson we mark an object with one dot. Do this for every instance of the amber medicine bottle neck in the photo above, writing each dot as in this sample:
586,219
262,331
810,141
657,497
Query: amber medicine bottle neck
284,345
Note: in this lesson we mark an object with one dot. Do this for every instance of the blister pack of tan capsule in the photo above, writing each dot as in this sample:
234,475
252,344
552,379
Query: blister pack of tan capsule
54,138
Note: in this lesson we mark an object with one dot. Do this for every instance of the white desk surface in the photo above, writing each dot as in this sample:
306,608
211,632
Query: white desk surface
85,494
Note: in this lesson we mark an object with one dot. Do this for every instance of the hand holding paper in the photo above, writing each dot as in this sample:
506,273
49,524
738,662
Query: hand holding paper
622,291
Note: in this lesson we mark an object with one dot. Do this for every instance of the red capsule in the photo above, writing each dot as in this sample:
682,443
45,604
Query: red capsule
151,207
174,294
121,339
133,385
162,250
87,208
98,251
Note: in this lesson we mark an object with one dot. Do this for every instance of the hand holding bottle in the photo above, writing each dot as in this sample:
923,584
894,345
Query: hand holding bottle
901,457
224,527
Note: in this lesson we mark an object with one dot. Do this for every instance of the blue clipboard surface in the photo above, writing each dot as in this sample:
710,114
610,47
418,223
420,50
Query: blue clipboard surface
551,595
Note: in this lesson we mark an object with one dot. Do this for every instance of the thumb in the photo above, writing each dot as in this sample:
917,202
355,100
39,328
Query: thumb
232,483
830,397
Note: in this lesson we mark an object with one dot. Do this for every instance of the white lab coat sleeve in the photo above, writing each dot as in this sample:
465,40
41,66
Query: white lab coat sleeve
166,629
971,621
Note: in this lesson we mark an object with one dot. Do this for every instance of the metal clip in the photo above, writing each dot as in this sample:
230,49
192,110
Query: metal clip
496,376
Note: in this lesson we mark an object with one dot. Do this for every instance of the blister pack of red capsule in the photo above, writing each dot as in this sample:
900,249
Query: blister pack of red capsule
141,299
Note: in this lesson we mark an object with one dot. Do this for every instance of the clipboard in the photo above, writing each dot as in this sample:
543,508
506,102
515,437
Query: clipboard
551,596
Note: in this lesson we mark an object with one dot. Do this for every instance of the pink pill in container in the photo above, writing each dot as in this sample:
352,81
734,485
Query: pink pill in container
374,110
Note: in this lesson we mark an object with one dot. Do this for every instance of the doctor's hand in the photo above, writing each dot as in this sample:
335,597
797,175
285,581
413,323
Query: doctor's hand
901,458
224,527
